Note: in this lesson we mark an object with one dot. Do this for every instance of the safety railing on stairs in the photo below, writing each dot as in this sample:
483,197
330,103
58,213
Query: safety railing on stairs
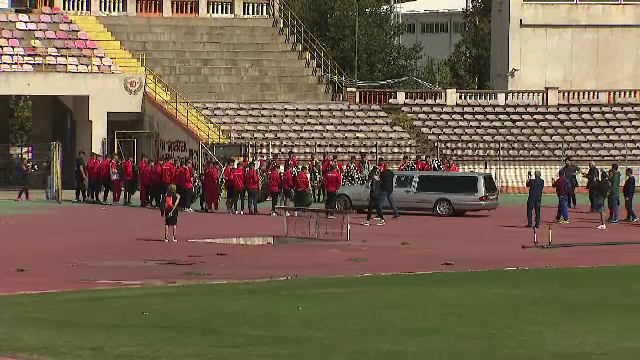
183,110
310,49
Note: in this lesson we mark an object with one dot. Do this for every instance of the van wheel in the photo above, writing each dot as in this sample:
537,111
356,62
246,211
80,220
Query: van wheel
343,203
443,208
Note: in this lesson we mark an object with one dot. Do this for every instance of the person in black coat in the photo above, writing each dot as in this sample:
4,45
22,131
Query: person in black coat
628,191
536,187
592,179
374,197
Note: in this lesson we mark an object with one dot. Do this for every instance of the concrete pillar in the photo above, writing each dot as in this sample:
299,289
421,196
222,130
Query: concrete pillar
552,96
237,8
401,96
131,8
451,97
202,8
166,8
57,3
83,124
502,98
351,96
95,7
98,118
4,119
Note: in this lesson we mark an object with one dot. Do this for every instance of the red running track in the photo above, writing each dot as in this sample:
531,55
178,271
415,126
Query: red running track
73,247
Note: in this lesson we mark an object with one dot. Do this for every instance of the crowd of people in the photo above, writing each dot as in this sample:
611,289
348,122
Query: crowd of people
603,187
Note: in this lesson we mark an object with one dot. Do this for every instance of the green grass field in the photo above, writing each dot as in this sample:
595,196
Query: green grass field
580,314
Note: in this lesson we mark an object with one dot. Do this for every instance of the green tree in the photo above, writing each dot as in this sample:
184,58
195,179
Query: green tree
436,72
380,54
470,63
19,119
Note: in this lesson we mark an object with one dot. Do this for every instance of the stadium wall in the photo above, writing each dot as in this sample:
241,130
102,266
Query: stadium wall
94,96
571,46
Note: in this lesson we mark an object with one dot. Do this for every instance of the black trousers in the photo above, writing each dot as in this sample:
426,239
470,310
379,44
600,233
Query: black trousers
571,202
238,194
90,185
628,204
106,184
592,200
252,201
374,203
531,206
188,197
274,200
331,201
97,189
81,188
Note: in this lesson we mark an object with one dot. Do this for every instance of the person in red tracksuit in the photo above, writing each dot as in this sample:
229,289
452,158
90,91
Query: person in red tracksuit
252,182
116,180
188,185
156,182
302,197
144,192
274,189
228,184
338,164
180,180
211,187
127,174
167,177
97,179
105,174
91,174
332,181
237,176
419,164
146,183
291,161
287,185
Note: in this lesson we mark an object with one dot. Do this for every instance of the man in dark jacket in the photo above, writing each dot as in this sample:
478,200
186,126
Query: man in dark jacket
570,170
386,187
374,197
629,190
614,194
592,179
536,186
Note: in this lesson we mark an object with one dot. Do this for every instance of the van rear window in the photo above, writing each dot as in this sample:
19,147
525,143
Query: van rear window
448,184
490,185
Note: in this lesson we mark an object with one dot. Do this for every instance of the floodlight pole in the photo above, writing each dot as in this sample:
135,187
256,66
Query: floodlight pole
357,26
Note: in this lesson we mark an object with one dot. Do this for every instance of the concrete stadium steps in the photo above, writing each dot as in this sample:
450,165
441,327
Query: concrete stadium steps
175,47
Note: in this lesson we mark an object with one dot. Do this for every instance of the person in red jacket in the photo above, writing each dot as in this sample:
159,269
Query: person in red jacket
427,163
302,196
338,164
287,185
91,167
211,188
179,179
326,164
127,175
105,174
156,182
419,163
274,189
146,183
97,179
116,179
381,165
144,192
167,176
332,181
291,161
238,188
187,179
253,188
228,183
453,167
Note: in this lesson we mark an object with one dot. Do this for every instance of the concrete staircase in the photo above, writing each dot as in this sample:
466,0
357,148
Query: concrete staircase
219,59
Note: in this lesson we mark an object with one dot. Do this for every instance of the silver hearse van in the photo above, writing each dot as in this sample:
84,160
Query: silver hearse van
443,193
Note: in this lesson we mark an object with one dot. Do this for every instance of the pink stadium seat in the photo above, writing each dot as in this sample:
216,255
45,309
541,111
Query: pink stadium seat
107,61
56,10
56,18
92,44
27,67
105,69
96,62
7,50
80,44
50,34
7,34
62,35
69,44
29,60
58,44
30,51
18,51
64,27
43,27
12,17
32,26
82,35
61,60
18,34
6,59
3,17
36,43
39,34
86,53
45,19
23,18
21,26
34,18
52,51
72,68
46,10
38,60
14,42
73,60
4,42
83,68
5,67
74,27
66,19
18,59
50,60
98,53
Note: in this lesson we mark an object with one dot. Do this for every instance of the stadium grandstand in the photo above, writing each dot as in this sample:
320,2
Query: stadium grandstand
174,77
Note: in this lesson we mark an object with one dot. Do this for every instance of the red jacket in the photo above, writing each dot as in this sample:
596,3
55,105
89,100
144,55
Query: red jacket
381,167
332,181
168,173
419,165
157,173
401,167
105,169
291,162
287,180
252,180
339,166
326,165
179,178
91,168
187,174
454,168
426,166
238,179
146,175
274,182
226,175
302,182
210,181
127,170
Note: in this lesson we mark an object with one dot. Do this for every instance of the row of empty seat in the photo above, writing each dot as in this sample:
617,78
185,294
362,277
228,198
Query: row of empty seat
288,106
522,102
34,18
468,111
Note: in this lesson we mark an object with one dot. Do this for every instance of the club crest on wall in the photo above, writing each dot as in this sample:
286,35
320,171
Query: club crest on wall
133,85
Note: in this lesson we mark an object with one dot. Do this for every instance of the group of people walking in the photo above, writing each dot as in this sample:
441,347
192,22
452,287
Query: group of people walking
603,188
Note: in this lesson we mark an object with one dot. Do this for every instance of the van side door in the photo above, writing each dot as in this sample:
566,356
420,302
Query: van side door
403,191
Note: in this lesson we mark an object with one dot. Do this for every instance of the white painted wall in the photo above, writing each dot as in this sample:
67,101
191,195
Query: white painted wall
438,46
106,92
571,46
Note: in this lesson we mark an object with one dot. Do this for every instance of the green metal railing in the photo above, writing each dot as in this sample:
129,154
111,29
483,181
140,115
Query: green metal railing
309,49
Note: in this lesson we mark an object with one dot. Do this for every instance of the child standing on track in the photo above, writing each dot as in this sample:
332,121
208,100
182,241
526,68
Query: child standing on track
170,212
